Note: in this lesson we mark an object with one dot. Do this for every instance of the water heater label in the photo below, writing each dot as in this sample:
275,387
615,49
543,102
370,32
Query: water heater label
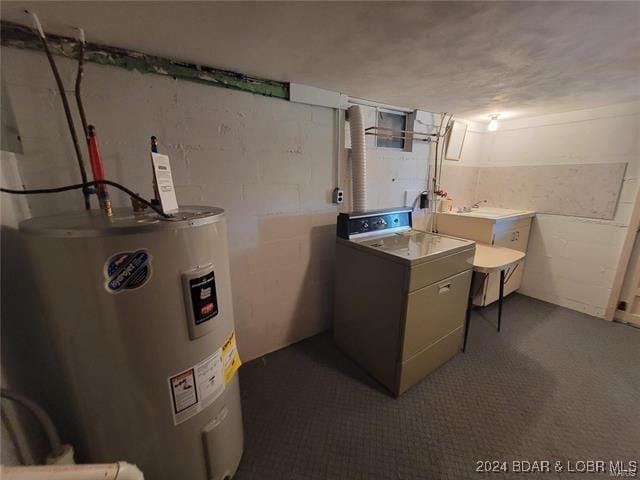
204,299
183,391
195,389
127,270
230,357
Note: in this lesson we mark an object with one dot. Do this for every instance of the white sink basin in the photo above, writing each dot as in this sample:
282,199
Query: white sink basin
490,212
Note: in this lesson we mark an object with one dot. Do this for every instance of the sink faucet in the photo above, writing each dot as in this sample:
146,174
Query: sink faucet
468,209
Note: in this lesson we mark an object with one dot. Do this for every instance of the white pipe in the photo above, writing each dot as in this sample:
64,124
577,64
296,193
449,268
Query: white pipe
358,159
66,456
110,471
36,23
41,415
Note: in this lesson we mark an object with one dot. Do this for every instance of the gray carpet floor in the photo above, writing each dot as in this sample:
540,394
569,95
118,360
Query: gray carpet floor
553,385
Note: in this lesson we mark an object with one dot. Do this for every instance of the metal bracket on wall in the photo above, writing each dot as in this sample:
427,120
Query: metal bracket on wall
19,36
401,134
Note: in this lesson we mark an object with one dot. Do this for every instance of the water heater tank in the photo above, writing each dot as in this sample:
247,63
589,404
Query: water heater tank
139,312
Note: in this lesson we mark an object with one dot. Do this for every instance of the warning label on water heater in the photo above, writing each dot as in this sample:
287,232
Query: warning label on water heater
230,357
196,388
183,390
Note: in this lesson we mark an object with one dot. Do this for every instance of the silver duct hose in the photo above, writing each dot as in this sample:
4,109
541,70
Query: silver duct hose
358,159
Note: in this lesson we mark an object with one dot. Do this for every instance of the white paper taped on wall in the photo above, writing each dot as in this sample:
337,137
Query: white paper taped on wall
195,388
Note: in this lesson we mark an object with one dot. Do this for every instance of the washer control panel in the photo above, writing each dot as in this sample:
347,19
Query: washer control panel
362,223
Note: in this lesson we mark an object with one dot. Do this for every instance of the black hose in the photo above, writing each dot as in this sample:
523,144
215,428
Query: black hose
66,188
42,416
67,112
83,117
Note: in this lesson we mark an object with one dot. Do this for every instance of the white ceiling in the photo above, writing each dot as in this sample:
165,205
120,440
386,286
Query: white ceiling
518,58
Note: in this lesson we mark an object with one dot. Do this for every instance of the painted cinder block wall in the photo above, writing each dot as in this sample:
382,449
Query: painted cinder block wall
271,165
571,260
268,162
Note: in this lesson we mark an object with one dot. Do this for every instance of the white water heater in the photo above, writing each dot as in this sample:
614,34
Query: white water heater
139,311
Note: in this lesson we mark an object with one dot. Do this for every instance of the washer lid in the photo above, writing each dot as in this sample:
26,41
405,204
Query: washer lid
94,223
416,246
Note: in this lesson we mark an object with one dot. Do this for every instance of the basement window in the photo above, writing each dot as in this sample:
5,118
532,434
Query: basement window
396,121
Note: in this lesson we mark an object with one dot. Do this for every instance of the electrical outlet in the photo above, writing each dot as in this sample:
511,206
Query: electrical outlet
338,195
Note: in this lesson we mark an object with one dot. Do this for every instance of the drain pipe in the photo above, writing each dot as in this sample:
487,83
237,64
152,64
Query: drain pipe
113,471
358,159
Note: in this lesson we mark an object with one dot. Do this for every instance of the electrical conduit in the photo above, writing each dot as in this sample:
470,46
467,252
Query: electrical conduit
358,159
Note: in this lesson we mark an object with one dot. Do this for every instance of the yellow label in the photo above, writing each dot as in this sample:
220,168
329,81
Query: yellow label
230,357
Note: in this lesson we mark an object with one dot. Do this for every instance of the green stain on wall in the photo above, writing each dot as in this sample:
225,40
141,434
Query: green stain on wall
19,36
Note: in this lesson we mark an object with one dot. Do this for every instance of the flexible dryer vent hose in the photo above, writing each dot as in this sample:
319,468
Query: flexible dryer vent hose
358,159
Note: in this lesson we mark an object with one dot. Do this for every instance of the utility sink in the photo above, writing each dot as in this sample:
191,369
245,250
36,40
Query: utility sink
500,227
493,213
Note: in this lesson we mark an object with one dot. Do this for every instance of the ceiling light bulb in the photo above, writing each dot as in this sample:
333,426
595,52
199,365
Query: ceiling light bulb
493,124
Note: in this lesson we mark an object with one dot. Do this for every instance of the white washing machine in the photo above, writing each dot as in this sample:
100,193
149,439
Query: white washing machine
401,295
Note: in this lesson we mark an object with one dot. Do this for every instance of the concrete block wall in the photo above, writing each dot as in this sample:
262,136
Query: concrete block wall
271,165
571,261
395,177
268,162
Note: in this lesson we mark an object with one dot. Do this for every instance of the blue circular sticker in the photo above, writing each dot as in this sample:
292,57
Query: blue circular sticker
127,270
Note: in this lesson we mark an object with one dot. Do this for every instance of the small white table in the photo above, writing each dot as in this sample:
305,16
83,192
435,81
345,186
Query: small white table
491,259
